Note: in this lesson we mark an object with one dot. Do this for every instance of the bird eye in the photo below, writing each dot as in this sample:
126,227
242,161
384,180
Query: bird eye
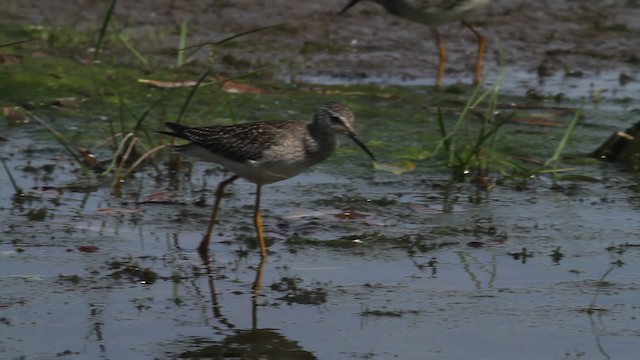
336,119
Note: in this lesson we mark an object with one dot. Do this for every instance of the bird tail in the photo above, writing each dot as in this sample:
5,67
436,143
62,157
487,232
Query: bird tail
177,130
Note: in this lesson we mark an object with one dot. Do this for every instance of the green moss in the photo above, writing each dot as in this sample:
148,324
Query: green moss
310,47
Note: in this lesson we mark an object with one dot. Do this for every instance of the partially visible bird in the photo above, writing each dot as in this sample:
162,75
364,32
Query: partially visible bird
434,13
264,152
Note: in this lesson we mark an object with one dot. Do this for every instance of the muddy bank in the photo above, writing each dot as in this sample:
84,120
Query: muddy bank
559,41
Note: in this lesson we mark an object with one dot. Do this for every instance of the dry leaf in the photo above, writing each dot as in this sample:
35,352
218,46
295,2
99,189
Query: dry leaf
536,122
351,214
160,197
91,161
10,59
15,116
238,88
397,169
168,84
39,54
300,213
88,248
67,102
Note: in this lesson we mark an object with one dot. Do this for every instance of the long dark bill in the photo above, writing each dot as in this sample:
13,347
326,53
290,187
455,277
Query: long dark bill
349,5
357,140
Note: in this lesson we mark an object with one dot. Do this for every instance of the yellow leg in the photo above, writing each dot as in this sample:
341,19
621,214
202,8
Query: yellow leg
257,220
442,56
203,248
479,56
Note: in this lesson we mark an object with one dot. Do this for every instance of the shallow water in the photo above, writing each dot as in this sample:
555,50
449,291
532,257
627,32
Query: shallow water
435,273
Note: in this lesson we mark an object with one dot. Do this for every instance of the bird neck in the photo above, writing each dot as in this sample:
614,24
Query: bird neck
322,139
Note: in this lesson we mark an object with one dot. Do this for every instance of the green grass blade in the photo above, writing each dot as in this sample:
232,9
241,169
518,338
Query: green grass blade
133,50
443,131
17,42
118,151
146,112
591,307
555,159
183,109
142,158
471,103
199,46
247,74
17,189
182,43
71,148
565,138
103,29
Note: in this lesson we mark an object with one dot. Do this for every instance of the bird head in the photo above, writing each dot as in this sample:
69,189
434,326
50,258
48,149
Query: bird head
340,119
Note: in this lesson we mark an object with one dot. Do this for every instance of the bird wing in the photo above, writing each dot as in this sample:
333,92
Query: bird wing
438,6
241,142
431,5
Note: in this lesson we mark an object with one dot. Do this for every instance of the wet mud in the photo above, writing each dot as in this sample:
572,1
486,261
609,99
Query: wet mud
572,42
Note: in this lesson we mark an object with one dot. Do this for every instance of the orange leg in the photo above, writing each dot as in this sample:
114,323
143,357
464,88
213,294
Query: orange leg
257,220
481,44
442,55
203,248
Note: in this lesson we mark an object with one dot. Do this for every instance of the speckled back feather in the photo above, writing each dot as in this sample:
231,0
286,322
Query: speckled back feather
239,143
